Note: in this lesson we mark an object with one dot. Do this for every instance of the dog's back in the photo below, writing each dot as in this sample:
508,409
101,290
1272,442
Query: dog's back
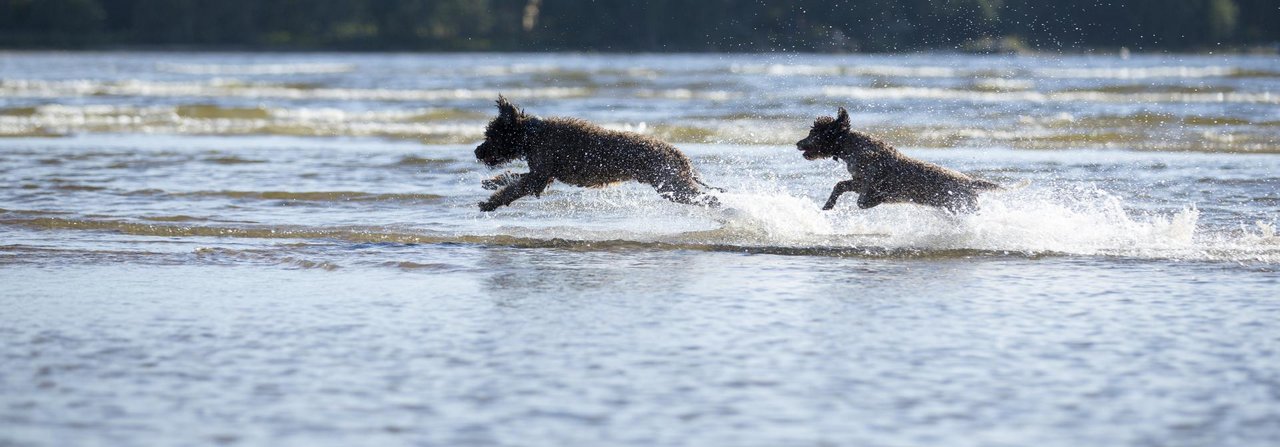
899,178
584,154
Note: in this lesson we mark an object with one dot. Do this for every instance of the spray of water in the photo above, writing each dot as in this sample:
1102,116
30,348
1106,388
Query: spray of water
1033,221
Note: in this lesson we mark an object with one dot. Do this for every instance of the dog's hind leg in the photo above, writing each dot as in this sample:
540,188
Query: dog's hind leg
705,185
529,183
962,203
838,190
869,198
686,192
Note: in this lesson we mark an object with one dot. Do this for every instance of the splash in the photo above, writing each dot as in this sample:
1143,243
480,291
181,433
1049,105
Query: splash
1075,221
1038,220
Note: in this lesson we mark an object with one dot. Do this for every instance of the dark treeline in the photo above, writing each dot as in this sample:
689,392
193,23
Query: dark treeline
639,25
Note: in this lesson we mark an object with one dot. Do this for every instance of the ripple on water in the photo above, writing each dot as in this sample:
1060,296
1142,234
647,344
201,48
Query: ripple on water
1122,298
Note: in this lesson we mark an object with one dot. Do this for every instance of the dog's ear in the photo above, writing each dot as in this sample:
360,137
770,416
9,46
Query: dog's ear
508,111
842,119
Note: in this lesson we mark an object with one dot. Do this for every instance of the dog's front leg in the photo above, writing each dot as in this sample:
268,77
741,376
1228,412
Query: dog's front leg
840,188
530,183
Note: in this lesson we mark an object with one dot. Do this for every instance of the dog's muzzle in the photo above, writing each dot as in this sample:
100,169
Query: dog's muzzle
488,160
811,153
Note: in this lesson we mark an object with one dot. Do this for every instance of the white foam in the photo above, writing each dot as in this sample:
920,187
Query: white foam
684,93
786,70
934,71
771,219
1004,84
553,69
63,119
859,70
892,93
255,69
1139,72
1033,220
221,88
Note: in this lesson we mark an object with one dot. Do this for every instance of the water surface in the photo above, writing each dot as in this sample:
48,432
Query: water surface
269,249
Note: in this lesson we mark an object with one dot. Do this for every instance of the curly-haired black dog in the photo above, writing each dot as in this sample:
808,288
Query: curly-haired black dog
881,174
579,153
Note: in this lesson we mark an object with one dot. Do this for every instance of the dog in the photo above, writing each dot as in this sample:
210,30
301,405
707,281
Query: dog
580,153
881,174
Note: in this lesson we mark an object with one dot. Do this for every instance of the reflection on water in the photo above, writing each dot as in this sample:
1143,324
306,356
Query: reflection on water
549,347
286,249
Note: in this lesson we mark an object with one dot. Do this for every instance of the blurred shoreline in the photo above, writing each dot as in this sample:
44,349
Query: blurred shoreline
1271,49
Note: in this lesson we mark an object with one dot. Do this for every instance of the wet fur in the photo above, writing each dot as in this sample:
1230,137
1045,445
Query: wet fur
881,174
580,153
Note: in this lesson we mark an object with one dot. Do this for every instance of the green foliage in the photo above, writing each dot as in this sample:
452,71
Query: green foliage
639,25
1222,18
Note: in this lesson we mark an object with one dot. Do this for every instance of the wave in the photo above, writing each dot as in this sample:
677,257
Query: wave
898,93
862,70
1002,84
26,254
433,125
1184,72
935,71
235,89
1140,130
211,111
303,196
255,69
684,93
261,256
984,90
558,72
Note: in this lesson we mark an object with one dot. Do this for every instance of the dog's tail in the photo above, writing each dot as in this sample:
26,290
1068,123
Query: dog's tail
1016,186
705,185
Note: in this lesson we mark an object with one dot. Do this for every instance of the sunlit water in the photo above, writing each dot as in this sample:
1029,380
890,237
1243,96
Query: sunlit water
286,249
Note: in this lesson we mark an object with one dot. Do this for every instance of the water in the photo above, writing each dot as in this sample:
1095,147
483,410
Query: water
264,249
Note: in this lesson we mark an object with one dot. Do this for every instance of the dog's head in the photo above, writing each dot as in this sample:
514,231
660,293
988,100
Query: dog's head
504,138
825,136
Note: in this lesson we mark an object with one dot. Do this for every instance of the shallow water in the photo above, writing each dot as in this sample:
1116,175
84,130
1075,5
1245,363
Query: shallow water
285,249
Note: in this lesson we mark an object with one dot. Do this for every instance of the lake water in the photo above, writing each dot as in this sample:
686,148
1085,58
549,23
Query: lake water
285,249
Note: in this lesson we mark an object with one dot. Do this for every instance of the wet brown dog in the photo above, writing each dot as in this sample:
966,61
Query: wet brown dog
881,174
579,153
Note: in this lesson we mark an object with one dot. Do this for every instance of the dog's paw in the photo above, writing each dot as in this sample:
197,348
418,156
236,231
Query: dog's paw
828,206
500,181
488,206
